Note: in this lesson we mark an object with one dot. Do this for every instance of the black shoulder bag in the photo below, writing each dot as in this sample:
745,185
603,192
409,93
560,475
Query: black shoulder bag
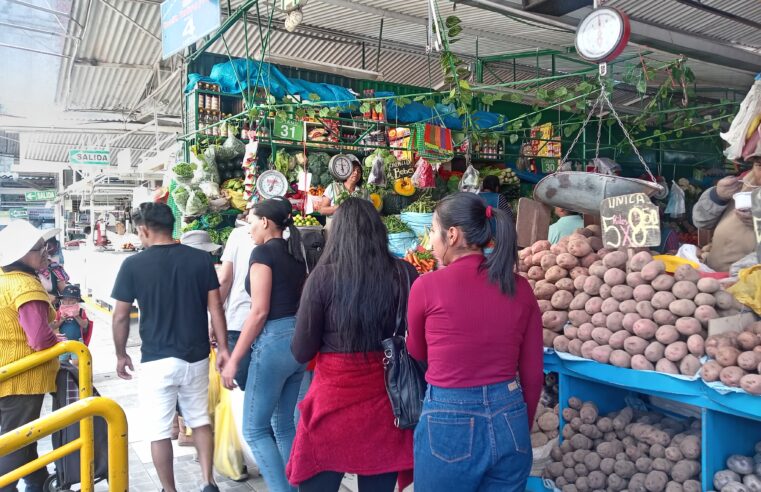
405,377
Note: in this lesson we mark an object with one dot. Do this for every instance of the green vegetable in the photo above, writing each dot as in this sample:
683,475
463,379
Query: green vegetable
184,170
423,205
213,220
224,235
394,224
180,196
192,226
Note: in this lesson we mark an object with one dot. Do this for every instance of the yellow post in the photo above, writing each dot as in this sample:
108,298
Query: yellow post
87,453
118,476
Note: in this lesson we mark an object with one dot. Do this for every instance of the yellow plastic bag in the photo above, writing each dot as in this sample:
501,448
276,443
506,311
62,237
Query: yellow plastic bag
215,383
747,290
236,199
228,454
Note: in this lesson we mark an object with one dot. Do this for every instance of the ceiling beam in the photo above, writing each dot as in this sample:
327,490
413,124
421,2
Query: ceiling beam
131,21
37,30
46,10
81,62
32,50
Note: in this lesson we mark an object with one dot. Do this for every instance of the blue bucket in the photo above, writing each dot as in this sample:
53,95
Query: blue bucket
401,242
418,222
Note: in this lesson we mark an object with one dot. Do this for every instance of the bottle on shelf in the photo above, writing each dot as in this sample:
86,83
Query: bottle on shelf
215,103
201,101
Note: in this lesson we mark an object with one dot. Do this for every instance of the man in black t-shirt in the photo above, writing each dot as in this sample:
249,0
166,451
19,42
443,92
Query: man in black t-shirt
175,287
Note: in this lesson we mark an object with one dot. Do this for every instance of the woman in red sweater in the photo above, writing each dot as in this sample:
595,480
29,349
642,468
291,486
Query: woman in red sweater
478,326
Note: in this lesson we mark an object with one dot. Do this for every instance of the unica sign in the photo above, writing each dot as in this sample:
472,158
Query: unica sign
89,157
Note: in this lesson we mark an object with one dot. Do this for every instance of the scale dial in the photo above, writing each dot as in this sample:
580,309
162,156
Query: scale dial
341,165
271,184
602,35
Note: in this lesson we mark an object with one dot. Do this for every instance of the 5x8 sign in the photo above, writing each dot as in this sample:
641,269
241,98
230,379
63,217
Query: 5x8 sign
630,221
89,157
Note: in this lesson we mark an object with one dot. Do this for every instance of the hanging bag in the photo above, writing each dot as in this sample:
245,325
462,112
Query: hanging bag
404,376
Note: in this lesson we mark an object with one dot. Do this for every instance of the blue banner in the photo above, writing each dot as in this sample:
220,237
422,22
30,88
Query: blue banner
183,22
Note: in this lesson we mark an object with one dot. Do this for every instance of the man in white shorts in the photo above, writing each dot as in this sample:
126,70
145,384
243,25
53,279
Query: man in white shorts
175,286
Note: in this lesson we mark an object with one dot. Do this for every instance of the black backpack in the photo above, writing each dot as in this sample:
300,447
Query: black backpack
312,245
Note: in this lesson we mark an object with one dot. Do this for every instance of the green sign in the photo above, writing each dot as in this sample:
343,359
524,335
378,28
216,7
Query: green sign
549,165
89,157
40,196
19,213
288,129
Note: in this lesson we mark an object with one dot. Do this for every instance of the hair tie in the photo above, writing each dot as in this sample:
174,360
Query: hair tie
488,211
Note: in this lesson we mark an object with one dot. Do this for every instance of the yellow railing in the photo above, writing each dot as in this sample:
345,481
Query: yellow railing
81,411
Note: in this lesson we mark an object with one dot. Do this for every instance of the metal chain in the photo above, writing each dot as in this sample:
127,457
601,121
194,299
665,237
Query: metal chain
628,137
581,131
599,126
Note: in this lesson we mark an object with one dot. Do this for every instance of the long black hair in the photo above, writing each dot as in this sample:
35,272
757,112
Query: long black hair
19,266
480,224
279,212
363,286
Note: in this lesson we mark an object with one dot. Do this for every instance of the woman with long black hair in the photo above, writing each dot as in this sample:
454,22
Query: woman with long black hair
350,303
478,325
276,276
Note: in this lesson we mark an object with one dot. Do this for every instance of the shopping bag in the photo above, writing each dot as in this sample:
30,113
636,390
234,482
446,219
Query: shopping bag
228,454
215,383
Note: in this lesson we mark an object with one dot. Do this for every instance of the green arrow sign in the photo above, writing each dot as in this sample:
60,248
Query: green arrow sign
89,157
40,196
19,213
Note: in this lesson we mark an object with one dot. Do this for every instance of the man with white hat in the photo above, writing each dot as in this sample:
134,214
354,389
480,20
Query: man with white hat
25,314
200,240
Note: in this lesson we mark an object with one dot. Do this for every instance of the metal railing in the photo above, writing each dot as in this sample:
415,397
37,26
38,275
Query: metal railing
82,411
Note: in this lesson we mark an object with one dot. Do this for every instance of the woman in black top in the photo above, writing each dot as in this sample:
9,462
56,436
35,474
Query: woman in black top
274,281
350,303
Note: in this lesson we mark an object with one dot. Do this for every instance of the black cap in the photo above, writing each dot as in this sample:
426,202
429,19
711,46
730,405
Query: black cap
72,292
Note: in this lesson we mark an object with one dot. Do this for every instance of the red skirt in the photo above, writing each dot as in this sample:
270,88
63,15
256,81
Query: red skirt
346,423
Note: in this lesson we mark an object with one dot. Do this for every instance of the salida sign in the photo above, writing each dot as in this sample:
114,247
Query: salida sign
89,157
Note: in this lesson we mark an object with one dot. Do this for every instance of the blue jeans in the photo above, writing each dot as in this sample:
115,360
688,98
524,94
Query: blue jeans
473,439
242,375
72,331
274,379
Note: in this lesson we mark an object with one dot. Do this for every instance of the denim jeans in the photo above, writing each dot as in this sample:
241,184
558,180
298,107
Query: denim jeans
242,375
473,439
274,379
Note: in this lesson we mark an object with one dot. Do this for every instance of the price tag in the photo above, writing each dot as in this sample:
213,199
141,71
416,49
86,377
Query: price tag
288,129
756,211
549,166
630,221
401,169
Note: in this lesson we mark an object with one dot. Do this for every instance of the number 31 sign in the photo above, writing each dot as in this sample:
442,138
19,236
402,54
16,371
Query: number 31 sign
630,221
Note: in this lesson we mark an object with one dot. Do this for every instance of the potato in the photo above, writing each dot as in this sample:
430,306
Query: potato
656,481
621,292
635,345
690,365
593,305
629,320
710,371
688,326
663,282
624,469
561,299
752,483
705,313
555,273
708,285
742,465
725,477
574,347
683,307
684,290
595,242
524,253
645,309
662,464
731,376
567,261
579,301
685,470
579,248
686,273
577,272
536,273
578,317
602,353
548,337
696,345
667,334
664,317
749,360
544,305
560,343
599,319
754,328
674,454
652,270
605,291
615,259
544,259
643,464
585,332
692,486
609,305
565,284
645,328
727,356
618,339
666,367
643,293
638,261
675,351
597,480
598,269
614,277
601,335
580,441
628,306
703,299
654,351
587,348
614,321
751,383
690,447
544,290
588,413
578,282
641,363
748,340
592,285
634,279
662,300
554,320
724,300
619,358
540,246
589,260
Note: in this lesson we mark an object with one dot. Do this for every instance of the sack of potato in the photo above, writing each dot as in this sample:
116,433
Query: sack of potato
735,359
628,312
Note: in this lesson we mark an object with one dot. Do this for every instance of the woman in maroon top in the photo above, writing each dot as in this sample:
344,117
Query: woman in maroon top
478,326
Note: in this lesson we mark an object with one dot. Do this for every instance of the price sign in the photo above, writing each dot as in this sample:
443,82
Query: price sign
402,169
288,129
756,211
630,221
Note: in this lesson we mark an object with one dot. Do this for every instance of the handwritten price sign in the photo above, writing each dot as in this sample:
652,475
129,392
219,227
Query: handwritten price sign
402,169
756,211
630,221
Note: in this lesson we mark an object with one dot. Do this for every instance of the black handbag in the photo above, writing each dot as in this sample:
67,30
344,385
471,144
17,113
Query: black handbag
404,376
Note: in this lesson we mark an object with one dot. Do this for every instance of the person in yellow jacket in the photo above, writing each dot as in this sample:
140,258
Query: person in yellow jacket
25,316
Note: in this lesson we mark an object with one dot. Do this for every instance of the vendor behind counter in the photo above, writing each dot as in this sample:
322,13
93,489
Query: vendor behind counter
734,241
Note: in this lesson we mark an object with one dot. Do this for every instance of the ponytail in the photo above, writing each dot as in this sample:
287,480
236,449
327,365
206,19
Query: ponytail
295,248
481,224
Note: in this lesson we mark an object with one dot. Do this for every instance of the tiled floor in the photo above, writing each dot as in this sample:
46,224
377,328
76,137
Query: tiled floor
142,474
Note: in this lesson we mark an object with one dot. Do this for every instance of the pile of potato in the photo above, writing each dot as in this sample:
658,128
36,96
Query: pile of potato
736,359
601,305
743,474
547,420
625,450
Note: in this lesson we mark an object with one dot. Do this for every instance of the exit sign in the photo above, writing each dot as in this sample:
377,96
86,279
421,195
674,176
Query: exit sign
40,196
79,157
19,213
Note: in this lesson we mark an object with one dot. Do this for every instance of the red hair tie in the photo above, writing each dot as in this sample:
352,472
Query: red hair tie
488,211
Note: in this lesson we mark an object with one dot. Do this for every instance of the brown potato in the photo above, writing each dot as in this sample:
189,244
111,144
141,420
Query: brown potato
645,309
690,365
618,339
666,366
577,272
579,248
675,351
589,260
567,261
708,285
662,300
749,360
536,273
598,269
553,274
643,293
638,261
561,299
615,259
602,335
544,305
557,249
664,317
554,320
545,259
667,334
548,337
654,351
688,326
645,328
652,270
754,328
629,320
696,345
593,305
560,343
731,376
686,273
748,340
663,282
579,317
609,306
724,300
641,363
579,301
615,321
599,319
704,314
525,253
704,299
578,282
684,289
574,347
711,371
683,307
592,285
605,291
628,306
540,246
635,345
619,358
544,290
602,353
634,279
565,284
727,356
621,292
614,277
587,348
570,331
585,332
751,383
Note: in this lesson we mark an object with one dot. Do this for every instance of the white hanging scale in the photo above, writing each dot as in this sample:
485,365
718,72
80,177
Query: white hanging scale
602,36
341,166
271,184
